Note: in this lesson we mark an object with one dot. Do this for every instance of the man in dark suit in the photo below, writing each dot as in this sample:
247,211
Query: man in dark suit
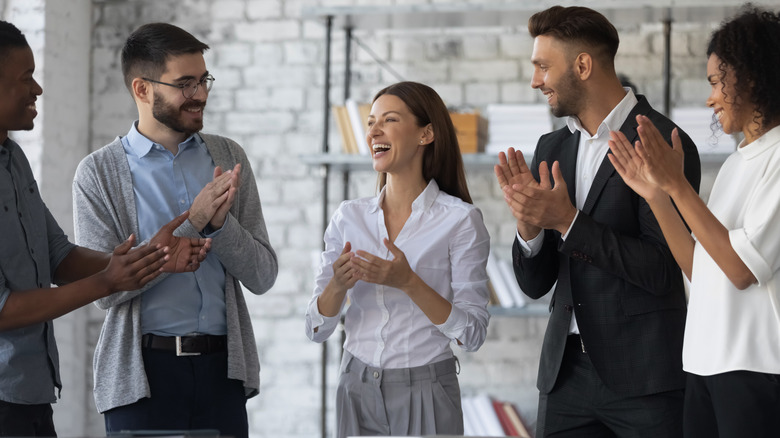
611,359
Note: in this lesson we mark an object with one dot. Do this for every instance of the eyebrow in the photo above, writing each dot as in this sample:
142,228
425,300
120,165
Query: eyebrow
385,113
188,77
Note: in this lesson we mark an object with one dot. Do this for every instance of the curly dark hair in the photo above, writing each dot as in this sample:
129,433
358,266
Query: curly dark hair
748,44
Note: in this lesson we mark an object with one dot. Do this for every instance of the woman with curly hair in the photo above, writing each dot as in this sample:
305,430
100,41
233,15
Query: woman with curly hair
411,262
731,350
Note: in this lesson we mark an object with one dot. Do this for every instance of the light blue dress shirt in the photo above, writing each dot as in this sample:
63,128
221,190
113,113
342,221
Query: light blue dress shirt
165,185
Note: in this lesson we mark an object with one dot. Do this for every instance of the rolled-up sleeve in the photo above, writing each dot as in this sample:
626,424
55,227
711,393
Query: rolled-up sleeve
469,249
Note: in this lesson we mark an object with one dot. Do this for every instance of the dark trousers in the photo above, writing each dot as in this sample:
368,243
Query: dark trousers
188,393
581,406
732,405
26,420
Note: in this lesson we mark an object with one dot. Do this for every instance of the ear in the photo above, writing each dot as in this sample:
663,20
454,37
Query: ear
142,90
427,137
583,65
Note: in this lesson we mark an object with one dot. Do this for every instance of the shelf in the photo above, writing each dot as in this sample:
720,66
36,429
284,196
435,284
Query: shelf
427,16
349,162
482,161
533,309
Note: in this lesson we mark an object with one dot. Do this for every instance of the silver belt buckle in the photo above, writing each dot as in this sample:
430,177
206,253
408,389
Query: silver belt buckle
183,353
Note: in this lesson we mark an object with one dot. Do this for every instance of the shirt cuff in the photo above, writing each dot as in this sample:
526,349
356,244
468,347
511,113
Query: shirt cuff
576,215
531,247
455,325
750,256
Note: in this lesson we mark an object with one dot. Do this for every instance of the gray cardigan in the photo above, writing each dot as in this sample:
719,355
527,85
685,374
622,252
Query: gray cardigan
105,215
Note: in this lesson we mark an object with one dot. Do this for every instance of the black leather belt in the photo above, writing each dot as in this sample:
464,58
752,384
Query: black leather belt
186,345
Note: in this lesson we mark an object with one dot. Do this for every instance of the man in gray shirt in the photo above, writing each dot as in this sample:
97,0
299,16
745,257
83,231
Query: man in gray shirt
36,253
179,353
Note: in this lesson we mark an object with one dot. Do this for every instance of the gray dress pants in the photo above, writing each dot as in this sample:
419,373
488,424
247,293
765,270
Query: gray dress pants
422,400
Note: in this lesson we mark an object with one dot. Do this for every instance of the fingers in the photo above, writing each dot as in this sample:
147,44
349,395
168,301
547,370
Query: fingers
560,184
175,223
217,171
347,248
125,246
499,170
544,176
676,141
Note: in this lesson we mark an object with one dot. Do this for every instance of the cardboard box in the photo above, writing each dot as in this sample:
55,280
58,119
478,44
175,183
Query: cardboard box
471,129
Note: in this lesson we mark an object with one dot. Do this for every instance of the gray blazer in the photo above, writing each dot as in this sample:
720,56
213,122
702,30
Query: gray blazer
105,215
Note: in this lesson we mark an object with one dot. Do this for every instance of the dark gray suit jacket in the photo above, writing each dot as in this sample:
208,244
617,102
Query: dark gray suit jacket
614,270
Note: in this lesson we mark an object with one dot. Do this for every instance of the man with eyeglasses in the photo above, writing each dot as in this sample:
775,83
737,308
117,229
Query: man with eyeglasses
179,354
35,253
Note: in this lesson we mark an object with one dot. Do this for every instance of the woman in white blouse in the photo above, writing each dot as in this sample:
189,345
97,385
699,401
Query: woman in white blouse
731,347
410,262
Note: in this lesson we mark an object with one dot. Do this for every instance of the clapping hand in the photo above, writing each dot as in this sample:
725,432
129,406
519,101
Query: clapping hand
184,253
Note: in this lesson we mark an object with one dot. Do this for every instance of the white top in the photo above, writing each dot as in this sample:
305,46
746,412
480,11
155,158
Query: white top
591,153
446,243
728,329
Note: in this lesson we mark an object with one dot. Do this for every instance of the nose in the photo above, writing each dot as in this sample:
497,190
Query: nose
37,89
536,80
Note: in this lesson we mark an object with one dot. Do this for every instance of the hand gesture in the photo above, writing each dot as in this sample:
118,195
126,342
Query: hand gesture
630,166
394,273
513,171
235,182
344,276
664,165
131,269
545,206
184,253
211,198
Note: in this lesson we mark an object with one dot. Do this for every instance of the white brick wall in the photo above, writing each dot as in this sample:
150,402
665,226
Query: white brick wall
268,96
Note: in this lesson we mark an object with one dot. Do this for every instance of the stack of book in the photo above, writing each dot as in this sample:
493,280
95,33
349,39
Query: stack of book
517,126
351,120
505,291
486,416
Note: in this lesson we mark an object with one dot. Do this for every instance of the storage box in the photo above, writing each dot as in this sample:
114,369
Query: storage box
471,129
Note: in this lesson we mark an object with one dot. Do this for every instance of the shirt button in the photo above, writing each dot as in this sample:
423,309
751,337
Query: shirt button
376,374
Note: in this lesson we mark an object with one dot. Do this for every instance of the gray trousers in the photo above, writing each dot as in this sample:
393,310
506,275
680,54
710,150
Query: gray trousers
422,400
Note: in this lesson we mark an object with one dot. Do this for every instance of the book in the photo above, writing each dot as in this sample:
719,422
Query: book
344,126
488,418
517,422
503,418
498,282
508,275
358,121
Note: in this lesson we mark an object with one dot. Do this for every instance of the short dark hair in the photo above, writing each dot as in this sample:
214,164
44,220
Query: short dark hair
149,47
10,38
579,25
748,44
442,160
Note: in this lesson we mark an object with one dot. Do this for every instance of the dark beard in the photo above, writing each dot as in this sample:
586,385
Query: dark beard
168,115
569,92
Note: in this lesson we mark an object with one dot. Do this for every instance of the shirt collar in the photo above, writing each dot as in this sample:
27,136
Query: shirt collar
770,139
141,145
423,202
614,119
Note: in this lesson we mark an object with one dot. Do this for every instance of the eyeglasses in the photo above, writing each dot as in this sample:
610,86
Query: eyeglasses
189,88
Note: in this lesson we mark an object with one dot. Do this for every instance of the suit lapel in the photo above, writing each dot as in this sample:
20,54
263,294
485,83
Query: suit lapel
568,164
606,169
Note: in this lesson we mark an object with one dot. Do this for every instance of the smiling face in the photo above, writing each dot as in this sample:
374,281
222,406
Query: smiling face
554,76
396,140
731,110
18,92
170,108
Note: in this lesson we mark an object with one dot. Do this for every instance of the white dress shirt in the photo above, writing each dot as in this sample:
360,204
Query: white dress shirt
591,153
446,243
728,329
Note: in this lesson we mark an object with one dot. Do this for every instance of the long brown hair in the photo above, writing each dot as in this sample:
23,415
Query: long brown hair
441,160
